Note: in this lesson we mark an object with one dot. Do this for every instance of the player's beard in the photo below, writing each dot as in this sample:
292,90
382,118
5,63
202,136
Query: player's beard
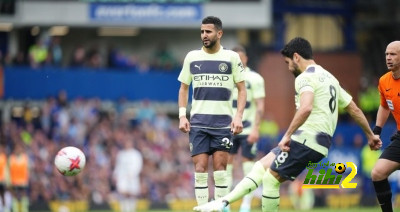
296,72
210,45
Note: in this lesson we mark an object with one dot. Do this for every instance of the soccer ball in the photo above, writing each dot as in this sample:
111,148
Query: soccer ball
70,161
340,168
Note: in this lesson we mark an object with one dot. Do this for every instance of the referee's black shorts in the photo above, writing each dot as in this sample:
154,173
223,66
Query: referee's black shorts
392,151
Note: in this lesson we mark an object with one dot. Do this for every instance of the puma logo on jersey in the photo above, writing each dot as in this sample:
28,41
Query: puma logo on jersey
198,66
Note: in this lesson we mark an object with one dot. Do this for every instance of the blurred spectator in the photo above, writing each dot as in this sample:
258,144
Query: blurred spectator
1,58
19,59
163,59
5,59
27,114
143,67
19,175
269,131
118,60
162,122
46,113
59,116
369,101
55,52
3,177
78,57
368,158
95,59
146,112
128,166
38,53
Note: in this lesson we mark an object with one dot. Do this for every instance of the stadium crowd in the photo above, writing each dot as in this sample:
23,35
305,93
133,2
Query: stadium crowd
100,134
48,52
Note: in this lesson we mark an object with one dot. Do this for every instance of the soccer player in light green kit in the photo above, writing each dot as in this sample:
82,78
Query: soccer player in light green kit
308,137
213,72
253,112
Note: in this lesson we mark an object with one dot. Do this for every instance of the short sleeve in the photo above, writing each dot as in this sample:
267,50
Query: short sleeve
304,83
344,98
237,68
258,87
383,102
185,75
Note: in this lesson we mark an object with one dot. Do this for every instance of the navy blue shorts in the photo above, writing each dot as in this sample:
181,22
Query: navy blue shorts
392,151
248,150
290,164
203,140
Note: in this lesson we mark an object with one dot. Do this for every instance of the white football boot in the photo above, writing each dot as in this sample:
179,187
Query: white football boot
213,206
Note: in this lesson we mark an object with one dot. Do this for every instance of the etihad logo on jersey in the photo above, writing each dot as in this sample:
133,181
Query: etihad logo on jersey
327,180
201,77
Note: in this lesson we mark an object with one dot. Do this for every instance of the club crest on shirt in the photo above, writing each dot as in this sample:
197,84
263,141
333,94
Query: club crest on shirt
223,67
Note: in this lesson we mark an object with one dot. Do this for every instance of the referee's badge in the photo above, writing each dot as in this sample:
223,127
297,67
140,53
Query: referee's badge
390,104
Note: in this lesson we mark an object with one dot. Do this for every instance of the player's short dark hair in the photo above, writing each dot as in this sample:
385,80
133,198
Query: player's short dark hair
213,20
300,46
239,49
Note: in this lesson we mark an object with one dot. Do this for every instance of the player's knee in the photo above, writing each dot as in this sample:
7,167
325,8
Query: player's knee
220,167
200,168
377,174
267,160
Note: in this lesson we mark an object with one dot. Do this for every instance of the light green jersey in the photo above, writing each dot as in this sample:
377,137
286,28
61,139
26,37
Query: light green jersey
255,90
329,96
213,77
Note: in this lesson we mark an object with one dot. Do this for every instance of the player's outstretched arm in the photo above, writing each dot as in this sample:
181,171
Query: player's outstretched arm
355,112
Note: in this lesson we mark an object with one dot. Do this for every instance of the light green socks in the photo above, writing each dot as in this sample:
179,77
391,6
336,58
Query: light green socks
24,204
246,202
247,167
221,184
15,204
20,205
229,176
270,197
201,187
247,184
